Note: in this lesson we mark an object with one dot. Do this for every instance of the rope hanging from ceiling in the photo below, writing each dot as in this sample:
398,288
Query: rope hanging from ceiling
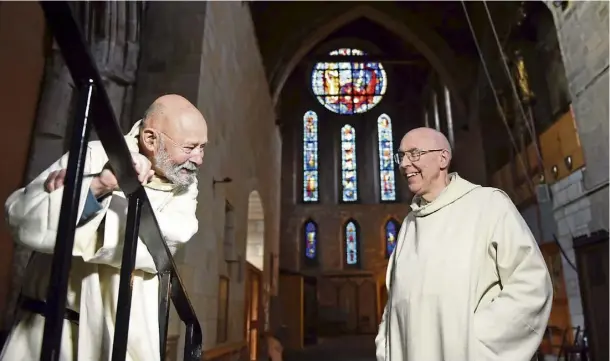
528,120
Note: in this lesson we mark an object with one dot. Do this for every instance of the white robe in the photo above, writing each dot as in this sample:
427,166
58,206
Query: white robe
469,282
33,215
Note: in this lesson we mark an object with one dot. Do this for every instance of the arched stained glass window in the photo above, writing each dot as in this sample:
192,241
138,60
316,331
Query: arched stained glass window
387,182
391,236
349,87
311,241
310,157
348,164
352,244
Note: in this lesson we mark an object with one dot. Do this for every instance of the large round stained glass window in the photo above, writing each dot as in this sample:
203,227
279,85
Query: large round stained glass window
349,87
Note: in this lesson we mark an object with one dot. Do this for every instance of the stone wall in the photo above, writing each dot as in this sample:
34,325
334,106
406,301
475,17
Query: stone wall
581,200
208,53
330,213
582,30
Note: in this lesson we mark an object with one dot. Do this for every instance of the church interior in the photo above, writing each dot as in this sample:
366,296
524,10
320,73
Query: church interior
300,202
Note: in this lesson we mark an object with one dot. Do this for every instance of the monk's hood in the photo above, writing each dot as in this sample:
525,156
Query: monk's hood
160,184
456,189
133,136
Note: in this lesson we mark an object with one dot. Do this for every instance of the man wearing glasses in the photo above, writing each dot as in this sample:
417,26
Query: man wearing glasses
467,281
167,149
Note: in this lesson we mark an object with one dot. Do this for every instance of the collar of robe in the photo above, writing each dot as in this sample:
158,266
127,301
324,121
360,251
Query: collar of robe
456,189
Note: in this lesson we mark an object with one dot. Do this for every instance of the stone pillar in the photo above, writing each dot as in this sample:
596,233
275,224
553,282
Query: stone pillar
115,49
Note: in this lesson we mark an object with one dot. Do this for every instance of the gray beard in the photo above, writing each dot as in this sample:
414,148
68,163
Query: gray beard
174,172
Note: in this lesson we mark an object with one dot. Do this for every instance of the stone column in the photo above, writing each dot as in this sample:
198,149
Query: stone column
112,28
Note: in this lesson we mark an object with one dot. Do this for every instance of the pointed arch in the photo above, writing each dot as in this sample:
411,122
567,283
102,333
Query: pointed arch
310,157
310,242
385,149
390,236
351,244
349,167
412,30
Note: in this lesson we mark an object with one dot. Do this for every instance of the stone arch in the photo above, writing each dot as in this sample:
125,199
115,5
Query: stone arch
255,240
347,42
424,39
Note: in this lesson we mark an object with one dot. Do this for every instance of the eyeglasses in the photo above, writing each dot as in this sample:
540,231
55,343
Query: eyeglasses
413,155
186,149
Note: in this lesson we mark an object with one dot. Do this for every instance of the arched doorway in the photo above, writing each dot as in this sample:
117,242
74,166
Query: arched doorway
255,246
255,259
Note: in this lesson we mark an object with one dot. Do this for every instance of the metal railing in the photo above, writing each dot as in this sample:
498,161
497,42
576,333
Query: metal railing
94,109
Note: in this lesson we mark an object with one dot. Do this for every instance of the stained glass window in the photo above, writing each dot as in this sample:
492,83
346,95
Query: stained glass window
391,235
311,240
310,157
348,164
387,182
349,87
352,258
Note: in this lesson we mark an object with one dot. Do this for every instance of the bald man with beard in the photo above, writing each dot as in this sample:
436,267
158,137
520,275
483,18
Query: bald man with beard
467,281
167,148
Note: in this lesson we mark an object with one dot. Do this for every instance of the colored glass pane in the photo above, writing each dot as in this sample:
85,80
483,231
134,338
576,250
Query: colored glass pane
391,235
348,164
310,157
349,87
351,244
311,240
387,182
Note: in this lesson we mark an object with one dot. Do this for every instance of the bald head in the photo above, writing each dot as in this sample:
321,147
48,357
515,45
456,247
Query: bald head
171,110
425,155
428,138
173,135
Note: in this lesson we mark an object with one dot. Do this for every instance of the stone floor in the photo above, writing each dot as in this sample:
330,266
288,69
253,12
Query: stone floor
346,348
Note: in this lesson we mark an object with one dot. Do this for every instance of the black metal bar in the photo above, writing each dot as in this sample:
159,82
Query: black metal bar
128,262
192,343
62,253
164,297
79,61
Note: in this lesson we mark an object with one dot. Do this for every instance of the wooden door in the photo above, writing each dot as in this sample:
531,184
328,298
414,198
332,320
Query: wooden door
310,311
559,320
592,263
253,303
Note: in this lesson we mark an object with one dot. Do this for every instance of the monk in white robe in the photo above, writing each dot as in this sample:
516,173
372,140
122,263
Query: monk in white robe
167,149
467,281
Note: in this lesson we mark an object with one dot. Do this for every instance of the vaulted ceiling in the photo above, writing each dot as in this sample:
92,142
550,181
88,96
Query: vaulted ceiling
433,36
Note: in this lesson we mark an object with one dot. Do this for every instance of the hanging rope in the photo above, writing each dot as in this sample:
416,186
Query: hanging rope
502,115
529,122
497,100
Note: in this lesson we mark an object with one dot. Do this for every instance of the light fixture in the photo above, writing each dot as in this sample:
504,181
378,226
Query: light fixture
555,171
224,180
541,178
568,162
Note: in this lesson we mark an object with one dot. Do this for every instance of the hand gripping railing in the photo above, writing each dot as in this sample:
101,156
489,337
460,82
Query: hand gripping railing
94,107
